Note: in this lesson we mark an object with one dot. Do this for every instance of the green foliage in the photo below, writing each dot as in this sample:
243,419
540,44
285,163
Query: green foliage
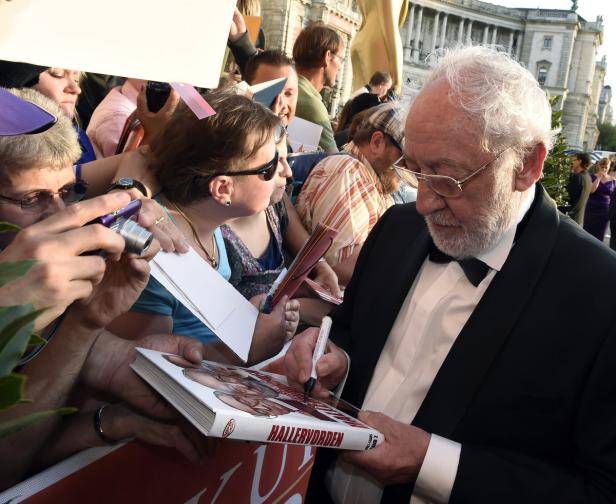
607,137
10,271
16,334
557,166
13,426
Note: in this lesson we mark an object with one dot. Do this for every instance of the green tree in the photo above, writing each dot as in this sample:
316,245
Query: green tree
557,166
607,137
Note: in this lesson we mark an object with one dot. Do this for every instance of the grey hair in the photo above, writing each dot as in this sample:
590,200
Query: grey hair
499,92
55,148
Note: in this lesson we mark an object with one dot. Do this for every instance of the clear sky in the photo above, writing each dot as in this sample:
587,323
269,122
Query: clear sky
589,10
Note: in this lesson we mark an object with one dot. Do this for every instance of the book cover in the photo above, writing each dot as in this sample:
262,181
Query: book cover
238,403
315,247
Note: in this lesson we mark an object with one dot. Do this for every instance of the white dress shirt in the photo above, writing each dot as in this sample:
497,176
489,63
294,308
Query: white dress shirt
435,310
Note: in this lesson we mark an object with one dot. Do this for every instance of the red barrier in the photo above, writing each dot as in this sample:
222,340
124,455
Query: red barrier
237,473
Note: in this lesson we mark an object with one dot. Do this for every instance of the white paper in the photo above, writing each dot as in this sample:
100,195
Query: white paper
209,297
182,41
304,136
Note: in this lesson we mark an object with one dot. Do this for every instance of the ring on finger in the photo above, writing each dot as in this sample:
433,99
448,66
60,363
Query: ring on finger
159,220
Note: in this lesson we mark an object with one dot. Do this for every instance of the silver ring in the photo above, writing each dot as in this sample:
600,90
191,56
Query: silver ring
159,220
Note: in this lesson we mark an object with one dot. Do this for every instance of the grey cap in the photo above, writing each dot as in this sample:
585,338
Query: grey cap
389,119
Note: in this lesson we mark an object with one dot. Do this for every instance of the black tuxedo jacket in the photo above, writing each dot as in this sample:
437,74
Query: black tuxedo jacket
529,386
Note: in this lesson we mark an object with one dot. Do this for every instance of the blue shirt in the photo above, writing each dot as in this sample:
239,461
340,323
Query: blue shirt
157,300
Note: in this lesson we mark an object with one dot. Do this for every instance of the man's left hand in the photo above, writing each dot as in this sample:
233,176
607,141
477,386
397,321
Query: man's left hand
398,459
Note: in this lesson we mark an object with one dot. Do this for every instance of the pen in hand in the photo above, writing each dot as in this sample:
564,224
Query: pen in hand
266,307
319,350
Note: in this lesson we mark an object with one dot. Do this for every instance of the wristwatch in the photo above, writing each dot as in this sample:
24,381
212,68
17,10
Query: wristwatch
128,183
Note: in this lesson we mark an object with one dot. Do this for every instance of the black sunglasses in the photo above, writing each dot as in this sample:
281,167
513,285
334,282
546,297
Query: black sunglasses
37,201
268,170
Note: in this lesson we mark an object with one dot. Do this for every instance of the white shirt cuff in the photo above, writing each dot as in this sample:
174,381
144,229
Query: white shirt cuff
438,471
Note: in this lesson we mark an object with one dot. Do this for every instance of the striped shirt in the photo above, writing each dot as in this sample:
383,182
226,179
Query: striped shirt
343,192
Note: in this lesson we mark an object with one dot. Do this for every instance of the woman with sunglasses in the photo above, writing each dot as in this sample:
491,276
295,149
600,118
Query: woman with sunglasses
212,171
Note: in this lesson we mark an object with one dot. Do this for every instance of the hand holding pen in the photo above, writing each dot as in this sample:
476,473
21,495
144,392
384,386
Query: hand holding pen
319,350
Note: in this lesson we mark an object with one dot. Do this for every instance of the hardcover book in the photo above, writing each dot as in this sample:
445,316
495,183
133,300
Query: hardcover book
232,402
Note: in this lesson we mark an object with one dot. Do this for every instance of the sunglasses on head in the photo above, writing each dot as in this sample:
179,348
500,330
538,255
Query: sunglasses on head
37,201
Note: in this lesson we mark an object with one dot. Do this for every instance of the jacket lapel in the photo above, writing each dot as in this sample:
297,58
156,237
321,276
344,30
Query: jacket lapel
491,322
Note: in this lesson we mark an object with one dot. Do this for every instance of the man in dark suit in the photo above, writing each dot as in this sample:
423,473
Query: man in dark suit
458,319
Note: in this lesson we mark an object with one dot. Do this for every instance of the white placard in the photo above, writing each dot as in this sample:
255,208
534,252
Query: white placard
304,136
209,297
180,41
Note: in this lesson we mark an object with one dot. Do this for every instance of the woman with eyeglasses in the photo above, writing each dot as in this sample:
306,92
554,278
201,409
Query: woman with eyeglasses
212,171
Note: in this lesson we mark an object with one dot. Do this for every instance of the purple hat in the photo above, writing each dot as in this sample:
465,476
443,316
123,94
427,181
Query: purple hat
19,117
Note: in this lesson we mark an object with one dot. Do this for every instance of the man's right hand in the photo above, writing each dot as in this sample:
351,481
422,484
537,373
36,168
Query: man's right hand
61,275
331,367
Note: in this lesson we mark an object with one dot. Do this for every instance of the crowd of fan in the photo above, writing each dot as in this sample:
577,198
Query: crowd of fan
218,185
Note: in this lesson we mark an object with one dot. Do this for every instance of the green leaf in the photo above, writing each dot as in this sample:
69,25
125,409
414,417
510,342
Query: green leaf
16,327
6,227
17,424
12,270
36,340
11,390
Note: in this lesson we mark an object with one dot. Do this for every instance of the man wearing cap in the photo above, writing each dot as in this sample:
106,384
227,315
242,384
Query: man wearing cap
349,192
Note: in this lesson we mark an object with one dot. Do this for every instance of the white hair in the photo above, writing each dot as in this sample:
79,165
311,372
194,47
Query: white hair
504,96
55,148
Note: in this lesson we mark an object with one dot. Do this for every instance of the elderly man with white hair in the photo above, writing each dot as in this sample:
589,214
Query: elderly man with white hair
487,386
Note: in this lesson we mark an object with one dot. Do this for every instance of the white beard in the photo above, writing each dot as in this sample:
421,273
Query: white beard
490,222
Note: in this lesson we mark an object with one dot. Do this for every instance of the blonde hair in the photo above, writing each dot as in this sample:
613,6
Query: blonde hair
56,148
249,7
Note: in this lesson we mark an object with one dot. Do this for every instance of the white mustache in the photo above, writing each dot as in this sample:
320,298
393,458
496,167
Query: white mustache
441,219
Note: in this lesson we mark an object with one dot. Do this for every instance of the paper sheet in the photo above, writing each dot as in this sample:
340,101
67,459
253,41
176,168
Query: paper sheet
304,136
209,297
183,41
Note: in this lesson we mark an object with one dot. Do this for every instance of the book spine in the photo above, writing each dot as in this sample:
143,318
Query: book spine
277,431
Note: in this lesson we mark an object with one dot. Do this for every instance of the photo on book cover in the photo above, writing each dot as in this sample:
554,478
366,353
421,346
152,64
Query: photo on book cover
228,401
238,388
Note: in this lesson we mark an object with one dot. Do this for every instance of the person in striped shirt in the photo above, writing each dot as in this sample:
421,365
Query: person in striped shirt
351,191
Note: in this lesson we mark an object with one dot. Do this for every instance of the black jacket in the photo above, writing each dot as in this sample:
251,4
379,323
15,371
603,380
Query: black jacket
529,386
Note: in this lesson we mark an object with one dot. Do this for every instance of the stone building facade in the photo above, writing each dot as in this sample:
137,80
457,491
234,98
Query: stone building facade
605,114
284,19
559,47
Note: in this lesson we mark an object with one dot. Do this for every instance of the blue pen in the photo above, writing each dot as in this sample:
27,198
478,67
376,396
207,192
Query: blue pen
266,307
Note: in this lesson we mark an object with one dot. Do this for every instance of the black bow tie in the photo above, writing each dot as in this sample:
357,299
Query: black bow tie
474,269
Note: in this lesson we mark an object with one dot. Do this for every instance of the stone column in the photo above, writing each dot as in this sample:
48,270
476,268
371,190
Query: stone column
510,43
443,31
418,34
409,34
485,34
434,31
460,30
518,45
494,33
469,32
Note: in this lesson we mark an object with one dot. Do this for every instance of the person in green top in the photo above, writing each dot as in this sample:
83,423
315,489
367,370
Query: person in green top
318,55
